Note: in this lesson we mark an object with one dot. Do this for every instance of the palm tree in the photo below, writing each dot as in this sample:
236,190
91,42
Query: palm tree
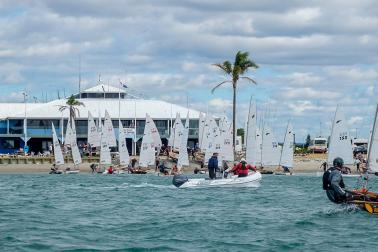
72,105
240,67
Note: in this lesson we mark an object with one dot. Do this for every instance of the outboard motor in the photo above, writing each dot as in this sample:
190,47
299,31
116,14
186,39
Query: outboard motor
179,179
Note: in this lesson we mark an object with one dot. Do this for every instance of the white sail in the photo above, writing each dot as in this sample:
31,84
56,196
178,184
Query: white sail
206,133
147,152
124,157
251,139
58,155
171,137
110,130
340,144
218,141
287,154
183,153
226,148
178,132
69,133
259,145
201,125
94,138
373,145
105,157
270,151
73,143
210,139
154,132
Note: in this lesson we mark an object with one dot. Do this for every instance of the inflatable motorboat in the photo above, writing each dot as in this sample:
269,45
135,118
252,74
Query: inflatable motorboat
182,181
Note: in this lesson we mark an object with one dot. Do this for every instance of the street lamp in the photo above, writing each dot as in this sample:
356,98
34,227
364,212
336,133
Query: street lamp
26,148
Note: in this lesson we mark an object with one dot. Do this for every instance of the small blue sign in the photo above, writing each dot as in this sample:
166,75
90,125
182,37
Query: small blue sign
26,149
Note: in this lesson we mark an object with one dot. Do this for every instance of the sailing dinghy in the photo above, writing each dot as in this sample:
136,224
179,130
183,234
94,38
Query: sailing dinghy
287,152
367,200
71,142
58,155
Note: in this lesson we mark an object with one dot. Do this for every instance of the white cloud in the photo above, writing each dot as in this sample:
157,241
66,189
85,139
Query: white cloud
312,54
355,120
309,93
217,102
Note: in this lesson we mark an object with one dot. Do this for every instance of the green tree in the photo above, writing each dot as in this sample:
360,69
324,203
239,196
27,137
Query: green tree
236,71
308,141
72,105
240,132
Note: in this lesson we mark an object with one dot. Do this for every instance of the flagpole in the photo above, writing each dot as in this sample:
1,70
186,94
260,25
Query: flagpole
135,128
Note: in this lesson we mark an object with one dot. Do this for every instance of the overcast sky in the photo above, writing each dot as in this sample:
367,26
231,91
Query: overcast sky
312,54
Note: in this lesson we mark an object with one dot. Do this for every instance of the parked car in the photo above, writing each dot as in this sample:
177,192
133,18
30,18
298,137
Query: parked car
360,149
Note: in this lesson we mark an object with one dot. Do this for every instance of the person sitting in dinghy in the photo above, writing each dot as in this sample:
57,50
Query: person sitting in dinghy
334,185
110,170
174,169
242,168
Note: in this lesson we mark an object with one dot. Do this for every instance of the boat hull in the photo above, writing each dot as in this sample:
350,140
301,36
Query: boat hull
72,172
251,180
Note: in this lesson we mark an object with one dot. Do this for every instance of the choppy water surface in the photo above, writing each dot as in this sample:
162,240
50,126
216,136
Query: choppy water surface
144,212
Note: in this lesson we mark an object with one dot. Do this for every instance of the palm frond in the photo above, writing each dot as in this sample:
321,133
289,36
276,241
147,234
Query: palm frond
248,78
220,84
225,67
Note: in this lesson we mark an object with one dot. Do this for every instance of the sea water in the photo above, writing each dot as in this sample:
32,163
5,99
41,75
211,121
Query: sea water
85,212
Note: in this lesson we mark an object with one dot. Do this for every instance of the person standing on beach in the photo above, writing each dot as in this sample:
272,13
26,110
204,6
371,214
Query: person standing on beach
213,166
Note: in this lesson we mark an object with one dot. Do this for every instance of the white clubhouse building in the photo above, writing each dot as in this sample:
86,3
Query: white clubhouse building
33,120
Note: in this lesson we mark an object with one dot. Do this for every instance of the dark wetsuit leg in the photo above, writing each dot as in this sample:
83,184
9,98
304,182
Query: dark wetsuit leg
212,173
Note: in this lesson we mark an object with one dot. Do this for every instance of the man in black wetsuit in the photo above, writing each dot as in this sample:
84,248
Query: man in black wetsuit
333,183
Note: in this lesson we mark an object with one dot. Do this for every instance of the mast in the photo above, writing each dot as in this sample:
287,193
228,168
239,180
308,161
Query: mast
79,76
330,139
287,128
372,136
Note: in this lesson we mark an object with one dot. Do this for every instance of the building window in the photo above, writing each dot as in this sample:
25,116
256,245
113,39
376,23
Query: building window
42,128
3,127
16,126
81,127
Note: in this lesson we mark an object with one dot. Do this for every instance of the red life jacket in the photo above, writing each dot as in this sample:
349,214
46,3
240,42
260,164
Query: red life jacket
241,169
110,170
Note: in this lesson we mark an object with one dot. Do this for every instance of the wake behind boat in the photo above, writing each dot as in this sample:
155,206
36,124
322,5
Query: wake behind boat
182,181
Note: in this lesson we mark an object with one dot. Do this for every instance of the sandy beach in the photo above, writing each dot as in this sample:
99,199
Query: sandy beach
308,163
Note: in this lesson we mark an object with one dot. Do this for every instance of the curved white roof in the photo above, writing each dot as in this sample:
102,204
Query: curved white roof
102,88
130,108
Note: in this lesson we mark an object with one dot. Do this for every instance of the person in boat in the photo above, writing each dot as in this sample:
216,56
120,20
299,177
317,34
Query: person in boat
213,166
174,169
224,166
196,170
163,168
110,170
242,168
54,168
346,170
133,162
334,185
157,162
